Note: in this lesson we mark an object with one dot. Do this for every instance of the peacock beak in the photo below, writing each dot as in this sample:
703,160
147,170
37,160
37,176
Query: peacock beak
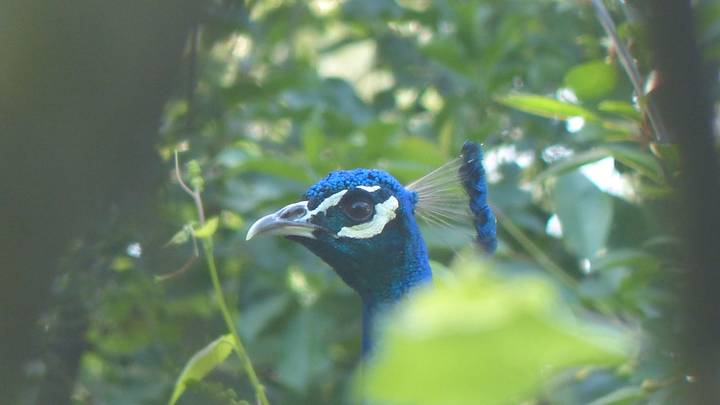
291,220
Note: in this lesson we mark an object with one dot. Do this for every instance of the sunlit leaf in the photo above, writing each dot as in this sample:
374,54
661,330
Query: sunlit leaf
544,106
622,108
591,80
208,229
203,362
571,163
479,340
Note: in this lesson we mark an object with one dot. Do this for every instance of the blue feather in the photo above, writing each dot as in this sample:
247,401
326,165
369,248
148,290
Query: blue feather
472,176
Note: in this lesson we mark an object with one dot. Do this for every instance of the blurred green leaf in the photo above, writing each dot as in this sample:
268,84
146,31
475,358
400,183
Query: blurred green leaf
592,80
180,237
641,161
545,106
585,213
573,162
438,347
622,108
203,362
208,229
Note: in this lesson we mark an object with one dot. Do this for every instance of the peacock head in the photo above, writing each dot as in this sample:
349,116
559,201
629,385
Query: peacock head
362,223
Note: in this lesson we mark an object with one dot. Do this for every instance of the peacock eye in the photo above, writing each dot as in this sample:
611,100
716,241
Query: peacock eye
359,207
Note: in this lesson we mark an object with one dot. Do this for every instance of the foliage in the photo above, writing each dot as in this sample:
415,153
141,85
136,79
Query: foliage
285,91
202,363
460,341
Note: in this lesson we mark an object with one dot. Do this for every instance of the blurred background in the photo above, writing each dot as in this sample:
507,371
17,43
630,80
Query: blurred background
107,303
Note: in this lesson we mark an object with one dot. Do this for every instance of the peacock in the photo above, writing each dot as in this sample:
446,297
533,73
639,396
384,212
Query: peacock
363,223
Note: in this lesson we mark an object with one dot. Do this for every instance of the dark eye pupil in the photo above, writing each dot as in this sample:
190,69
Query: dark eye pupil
359,210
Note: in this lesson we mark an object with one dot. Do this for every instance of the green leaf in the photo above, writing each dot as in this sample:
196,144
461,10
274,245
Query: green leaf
545,106
208,229
202,362
639,160
479,340
591,80
622,108
585,213
572,163
181,237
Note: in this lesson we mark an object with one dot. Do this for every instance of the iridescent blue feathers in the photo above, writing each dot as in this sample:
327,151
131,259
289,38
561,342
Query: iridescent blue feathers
346,179
472,176
455,196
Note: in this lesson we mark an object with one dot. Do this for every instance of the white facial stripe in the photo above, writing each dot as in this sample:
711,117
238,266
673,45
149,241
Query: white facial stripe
369,188
327,203
384,213
334,200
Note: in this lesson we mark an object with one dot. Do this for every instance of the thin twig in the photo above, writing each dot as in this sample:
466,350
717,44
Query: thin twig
628,64
185,267
179,176
195,194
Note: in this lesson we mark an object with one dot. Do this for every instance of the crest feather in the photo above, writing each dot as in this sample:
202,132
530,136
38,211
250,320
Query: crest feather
455,195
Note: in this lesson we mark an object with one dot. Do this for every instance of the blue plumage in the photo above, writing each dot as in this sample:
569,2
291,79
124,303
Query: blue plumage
346,179
362,222
472,176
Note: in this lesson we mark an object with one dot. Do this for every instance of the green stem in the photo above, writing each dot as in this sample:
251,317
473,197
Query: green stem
535,251
207,244
239,348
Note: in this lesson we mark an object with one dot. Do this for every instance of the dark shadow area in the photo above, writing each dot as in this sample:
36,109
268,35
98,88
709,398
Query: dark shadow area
81,92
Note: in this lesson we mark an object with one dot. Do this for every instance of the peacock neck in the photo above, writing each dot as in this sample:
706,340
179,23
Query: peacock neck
412,274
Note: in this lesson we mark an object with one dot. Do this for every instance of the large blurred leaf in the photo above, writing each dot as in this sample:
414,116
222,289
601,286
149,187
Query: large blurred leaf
585,213
544,106
591,80
480,341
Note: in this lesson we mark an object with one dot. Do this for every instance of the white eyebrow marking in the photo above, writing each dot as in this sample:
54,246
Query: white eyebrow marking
369,188
384,213
334,200
327,203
